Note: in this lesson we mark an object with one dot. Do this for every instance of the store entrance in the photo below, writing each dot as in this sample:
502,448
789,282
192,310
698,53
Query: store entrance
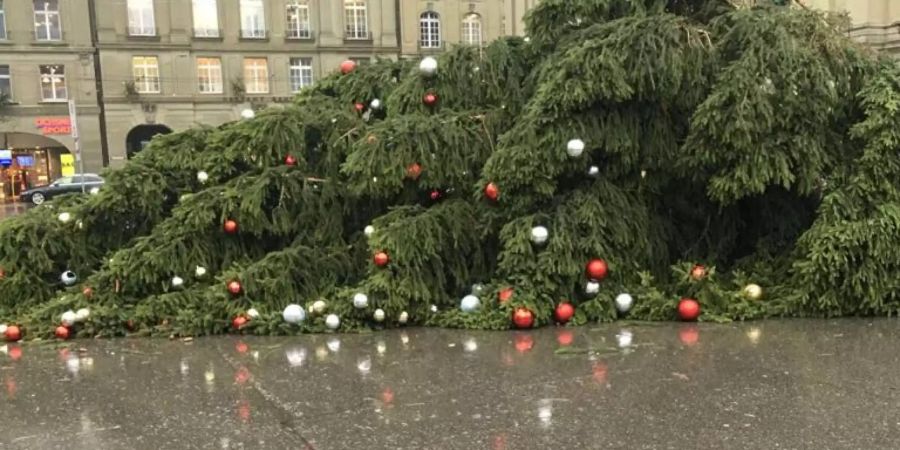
28,160
140,136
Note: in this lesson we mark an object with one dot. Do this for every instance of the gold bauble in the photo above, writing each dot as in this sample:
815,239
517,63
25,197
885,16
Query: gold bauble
753,291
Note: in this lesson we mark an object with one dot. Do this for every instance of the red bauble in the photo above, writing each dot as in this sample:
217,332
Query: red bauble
359,107
491,191
62,332
290,160
564,312
505,295
2,273
13,333
689,335
565,337
430,99
234,287
87,292
688,309
698,272
413,171
381,259
596,269
239,322
524,343
230,226
348,66
435,195
523,318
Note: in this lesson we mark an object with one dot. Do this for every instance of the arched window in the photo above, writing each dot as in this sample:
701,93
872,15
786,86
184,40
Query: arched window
429,30
471,29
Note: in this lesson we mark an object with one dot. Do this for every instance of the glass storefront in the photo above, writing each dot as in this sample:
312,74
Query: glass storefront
32,167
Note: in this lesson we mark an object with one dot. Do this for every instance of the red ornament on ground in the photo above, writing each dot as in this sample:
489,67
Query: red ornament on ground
689,335
564,312
348,66
62,332
230,226
430,99
596,269
234,287
698,272
239,322
523,318
505,295
491,191
87,292
435,195
290,160
413,171
524,343
381,259
688,309
13,333
564,337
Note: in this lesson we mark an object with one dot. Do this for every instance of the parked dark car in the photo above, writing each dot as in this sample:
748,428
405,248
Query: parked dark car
64,185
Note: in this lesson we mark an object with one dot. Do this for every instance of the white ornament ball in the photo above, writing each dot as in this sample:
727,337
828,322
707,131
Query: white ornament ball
202,176
360,300
293,314
319,306
369,230
594,171
404,317
434,308
248,113
575,148
428,66
378,315
200,271
624,302
375,104
592,288
69,318
753,291
470,303
82,314
332,321
177,282
539,235
254,314
68,278
64,217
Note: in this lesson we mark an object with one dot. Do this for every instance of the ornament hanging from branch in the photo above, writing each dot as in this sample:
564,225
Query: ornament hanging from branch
470,303
348,66
428,66
564,312
539,235
293,314
430,99
230,226
624,302
492,192
575,148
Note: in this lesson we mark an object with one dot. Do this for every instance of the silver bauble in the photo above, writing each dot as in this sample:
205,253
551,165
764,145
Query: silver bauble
293,314
82,314
319,306
68,278
404,317
592,288
375,104
575,148
470,303
200,271
539,235
594,171
254,314
64,217
360,301
69,318
624,302
202,176
332,321
177,282
368,230
378,315
428,66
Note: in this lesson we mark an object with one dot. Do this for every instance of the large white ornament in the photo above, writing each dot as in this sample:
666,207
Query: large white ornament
69,318
332,321
624,302
753,291
592,288
202,176
64,217
429,66
375,104
319,306
360,300
539,235
248,113
470,303
293,314
378,315
94,191
575,148
254,314
200,271
68,278
82,314
177,282
368,230
404,317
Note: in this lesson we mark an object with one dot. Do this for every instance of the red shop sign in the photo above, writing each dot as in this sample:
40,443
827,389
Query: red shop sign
53,125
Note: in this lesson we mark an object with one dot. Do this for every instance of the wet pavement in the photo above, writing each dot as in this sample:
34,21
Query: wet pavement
766,385
12,209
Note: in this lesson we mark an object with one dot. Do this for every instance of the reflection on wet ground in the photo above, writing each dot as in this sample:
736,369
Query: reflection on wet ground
11,209
777,384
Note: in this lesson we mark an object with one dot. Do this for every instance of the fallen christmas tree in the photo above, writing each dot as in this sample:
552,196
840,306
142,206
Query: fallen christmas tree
644,159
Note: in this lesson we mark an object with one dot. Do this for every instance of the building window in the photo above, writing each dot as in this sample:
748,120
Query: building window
2,21
301,73
141,21
253,19
209,75
5,82
53,83
206,18
256,75
356,22
46,20
298,20
146,74
471,29
429,30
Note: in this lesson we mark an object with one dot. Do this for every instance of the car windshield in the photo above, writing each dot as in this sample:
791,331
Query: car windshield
63,180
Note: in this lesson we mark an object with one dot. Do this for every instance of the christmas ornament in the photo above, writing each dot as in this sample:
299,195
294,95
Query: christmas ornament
469,303
68,278
82,314
596,269
200,271
230,226
413,171
177,282
594,171
248,113
368,230
624,303
294,314
252,313
492,192
753,291
360,300
290,160
564,312
477,289
428,66
404,317
319,306
539,235
332,321
592,288
523,318
87,292
375,104
371,139
62,332
381,259
575,148
13,333
64,217
435,195
359,107
3,328
688,309
234,287
239,322
430,99
378,315
68,318
94,191
505,294
348,66
202,176
698,272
